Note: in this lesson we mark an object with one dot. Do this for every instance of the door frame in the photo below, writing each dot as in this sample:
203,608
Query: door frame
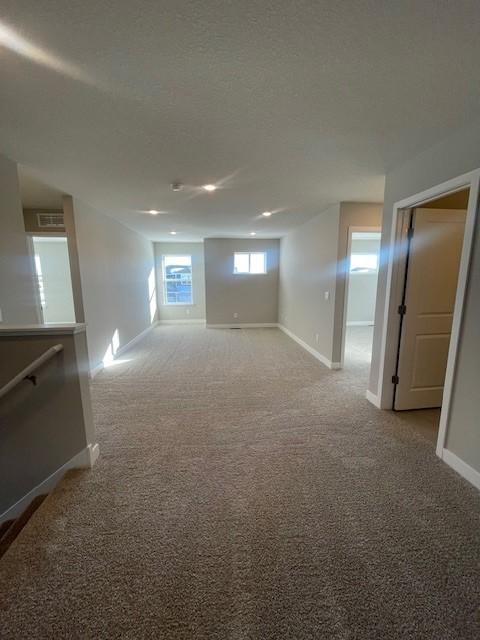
31,254
397,251
351,230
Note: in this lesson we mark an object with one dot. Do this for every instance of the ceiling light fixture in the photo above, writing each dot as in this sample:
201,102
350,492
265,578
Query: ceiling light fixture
173,233
209,187
267,214
253,233
154,212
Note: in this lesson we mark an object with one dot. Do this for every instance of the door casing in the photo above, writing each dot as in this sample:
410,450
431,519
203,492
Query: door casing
397,252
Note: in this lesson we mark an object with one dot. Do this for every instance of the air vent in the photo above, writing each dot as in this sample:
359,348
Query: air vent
50,220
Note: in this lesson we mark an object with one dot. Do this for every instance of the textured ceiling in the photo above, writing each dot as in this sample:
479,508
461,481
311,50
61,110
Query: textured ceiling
290,105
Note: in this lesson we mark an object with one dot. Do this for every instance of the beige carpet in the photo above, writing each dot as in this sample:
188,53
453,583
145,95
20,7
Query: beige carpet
245,491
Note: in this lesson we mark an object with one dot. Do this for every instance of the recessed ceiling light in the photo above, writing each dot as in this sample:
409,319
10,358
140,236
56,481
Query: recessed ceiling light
253,233
267,214
173,233
154,212
209,187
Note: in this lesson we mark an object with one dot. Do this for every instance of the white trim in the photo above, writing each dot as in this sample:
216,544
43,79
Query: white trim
360,323
316,354
42,329
389,346
244,325
134,340
375,400
85,459
183,321
95,370
461,467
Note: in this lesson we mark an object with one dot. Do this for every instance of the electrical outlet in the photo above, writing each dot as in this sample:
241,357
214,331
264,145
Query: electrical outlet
326,295
235,315
316,337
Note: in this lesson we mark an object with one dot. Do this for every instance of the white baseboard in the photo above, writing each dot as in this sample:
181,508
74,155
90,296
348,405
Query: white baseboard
85,459
100,366
461,467
360,323
244,325
183,321
96,370
371,397
316,354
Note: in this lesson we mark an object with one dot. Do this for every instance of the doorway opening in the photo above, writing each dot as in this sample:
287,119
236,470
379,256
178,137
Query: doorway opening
429,258
53,279
363,260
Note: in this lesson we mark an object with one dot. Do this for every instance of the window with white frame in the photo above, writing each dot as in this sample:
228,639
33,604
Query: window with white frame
250,262
177,279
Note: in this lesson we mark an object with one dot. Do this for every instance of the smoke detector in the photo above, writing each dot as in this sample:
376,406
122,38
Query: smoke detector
177,186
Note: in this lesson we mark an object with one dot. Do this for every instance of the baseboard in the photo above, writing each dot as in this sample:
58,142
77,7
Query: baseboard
96,370
316,354
360,323
375,400
461,467
85,459
100,366
183,321
136,339
244,325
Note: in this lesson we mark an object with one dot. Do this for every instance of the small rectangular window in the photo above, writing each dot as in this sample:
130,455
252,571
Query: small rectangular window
250,262
177,279
363,263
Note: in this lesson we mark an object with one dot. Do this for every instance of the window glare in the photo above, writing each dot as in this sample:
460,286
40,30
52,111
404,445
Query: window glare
241,263
177,279
250,263
363,262
257,263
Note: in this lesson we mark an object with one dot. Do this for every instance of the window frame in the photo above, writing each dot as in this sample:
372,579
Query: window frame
250,273
166,303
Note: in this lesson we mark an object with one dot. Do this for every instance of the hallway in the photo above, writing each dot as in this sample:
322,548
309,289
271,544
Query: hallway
245,491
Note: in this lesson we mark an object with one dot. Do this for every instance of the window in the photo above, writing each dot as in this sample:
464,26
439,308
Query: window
177,279
363,263
250,263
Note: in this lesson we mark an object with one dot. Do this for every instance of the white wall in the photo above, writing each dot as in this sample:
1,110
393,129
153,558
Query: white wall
308,268
117,279
195,311
362,287
452,157
254,297
17,280
57,284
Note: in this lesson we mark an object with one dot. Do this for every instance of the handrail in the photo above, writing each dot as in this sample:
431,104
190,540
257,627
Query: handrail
25,373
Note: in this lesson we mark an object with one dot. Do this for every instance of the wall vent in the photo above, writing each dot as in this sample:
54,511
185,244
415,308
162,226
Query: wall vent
50,220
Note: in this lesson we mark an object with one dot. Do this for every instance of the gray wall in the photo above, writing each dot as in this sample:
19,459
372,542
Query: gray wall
196,311
42,427
17,284
352,214
117,279
308,268
452,157
254,297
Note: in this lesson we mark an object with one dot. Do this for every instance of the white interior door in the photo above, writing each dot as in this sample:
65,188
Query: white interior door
431,285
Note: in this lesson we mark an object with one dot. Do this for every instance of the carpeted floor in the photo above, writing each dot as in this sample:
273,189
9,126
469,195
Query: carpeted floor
245,491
